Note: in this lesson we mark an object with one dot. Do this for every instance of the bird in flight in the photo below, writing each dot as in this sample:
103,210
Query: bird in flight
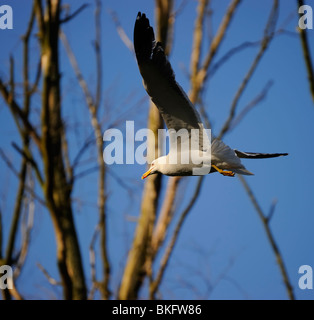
187,153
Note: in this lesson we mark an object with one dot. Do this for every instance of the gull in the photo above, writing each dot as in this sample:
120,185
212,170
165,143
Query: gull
187,153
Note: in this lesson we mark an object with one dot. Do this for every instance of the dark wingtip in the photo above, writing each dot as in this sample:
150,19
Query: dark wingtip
253,155
141,16
143,38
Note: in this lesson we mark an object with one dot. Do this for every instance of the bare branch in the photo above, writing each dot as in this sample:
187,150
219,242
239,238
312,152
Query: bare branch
122,34
50,279
265,221
92,262
40,17
74,14
258,99
88,142
28,188
98,53
268,35
307,55
26,230
16,110
67,164
16,216
199,81
29,158
198,38
37,78
75,66
229,54
271,210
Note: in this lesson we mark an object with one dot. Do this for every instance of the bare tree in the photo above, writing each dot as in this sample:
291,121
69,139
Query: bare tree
45,153
56,185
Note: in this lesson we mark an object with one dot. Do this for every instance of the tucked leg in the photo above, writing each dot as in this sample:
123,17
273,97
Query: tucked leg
224,172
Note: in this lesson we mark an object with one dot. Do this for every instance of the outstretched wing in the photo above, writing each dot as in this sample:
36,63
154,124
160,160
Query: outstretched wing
159,81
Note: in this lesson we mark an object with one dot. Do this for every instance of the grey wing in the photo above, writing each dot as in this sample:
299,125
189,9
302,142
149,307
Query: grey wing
223,155
226,158
159,81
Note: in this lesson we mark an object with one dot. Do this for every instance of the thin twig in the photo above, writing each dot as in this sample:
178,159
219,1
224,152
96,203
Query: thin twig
230,53
268,35
28,188
223,27
198,38
87,143
37,78
74,14
50,279
98,54
271,210
258,99
307,55
265,221
122,34
75,66
17,111
29,158
202,74
27,227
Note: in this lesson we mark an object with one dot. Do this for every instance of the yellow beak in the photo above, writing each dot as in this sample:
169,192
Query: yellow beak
146,174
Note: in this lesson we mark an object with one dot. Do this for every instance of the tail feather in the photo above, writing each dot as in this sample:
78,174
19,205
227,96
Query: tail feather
243,171
253,155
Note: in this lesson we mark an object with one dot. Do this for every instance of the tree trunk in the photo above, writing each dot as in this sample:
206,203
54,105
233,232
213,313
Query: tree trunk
57,189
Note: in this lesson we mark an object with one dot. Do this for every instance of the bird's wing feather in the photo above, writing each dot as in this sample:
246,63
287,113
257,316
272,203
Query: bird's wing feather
159,81
255,155
221,153
225,157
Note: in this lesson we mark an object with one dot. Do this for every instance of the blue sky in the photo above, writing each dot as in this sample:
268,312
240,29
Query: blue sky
222,251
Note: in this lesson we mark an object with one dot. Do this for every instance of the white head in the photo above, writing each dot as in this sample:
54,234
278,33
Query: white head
152,169
156,166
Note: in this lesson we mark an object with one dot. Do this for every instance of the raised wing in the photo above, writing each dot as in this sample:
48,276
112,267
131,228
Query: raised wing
159,81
